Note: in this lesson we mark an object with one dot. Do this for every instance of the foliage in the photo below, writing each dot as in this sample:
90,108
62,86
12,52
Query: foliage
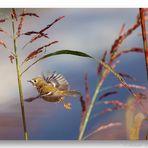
113,57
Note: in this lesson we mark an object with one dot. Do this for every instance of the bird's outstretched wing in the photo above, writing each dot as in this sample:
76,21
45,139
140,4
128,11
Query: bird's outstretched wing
57,80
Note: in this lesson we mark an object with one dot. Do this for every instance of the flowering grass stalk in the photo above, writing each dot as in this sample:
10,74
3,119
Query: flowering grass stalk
19,82
105,68
87,116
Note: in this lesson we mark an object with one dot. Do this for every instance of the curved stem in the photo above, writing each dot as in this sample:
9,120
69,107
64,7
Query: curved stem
19,83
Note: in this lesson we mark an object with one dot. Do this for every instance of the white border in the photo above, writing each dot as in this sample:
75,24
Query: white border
74,144
73,3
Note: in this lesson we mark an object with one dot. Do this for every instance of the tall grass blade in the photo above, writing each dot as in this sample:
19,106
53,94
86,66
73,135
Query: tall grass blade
70,52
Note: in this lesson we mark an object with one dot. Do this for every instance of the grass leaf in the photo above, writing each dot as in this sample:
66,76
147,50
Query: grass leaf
60,52
70,52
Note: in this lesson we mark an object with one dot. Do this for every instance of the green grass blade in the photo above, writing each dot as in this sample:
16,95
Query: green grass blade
60,52
70,52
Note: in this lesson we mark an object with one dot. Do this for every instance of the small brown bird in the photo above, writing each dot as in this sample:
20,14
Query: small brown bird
53,89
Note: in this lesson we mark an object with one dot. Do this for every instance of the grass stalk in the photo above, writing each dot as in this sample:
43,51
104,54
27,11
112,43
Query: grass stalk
88,113
19,83
144,36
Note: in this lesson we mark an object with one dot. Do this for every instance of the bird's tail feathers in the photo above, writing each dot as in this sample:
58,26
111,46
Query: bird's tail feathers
73,93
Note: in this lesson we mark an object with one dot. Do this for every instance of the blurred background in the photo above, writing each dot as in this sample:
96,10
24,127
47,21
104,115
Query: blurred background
88,30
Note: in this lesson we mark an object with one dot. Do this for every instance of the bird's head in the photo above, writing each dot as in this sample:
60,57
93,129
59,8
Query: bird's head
36,81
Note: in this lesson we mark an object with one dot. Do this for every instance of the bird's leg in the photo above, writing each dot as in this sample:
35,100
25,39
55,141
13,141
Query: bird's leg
66,105
61,100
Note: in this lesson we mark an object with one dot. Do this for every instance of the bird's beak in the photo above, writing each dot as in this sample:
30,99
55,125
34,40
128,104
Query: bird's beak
29,81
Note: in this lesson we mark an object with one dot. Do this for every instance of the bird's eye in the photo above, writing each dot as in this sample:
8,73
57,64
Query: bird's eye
35,81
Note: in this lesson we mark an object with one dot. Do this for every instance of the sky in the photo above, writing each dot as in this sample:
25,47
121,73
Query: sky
88,30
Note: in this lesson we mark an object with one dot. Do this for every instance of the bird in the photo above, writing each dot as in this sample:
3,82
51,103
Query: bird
53,88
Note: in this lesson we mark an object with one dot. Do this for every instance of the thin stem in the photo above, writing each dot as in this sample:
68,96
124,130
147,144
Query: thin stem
91,105
19,83
143,28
